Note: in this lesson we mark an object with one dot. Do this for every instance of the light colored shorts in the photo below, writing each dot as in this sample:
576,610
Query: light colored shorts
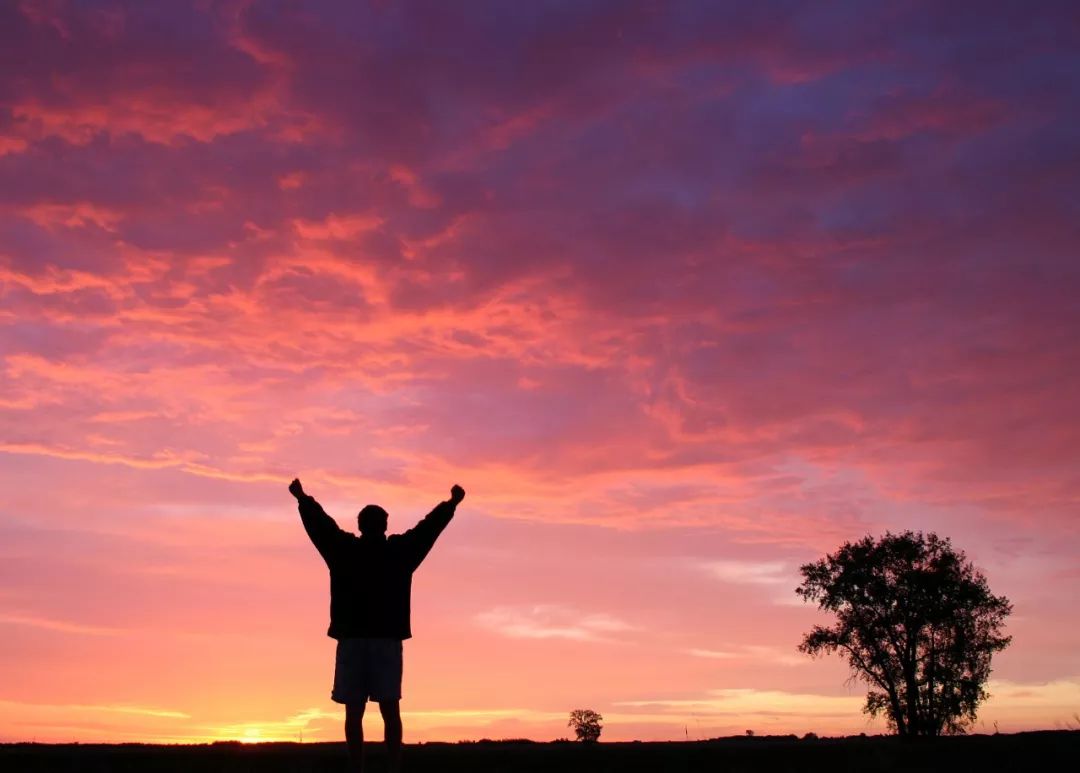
367,668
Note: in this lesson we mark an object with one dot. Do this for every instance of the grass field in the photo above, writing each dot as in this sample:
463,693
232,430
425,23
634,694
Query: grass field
1049,751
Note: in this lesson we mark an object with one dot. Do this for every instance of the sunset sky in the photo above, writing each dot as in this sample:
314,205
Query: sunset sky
683,294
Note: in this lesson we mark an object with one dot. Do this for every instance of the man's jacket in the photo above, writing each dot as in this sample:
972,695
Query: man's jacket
371,577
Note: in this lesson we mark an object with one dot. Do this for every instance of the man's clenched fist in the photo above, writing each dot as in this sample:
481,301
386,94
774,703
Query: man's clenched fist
457,493
297,490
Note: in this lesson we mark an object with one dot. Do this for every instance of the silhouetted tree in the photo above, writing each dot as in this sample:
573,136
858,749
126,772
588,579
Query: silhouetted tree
915,621
586,724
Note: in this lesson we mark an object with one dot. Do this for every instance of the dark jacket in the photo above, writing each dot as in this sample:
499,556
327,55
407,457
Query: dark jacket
371,577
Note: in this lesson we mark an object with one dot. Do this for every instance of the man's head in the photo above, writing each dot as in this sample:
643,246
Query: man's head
372,520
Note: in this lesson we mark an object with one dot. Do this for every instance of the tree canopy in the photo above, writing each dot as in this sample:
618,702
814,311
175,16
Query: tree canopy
916,621
586,724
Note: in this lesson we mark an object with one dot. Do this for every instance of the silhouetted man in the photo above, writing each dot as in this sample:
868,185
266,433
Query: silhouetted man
370,594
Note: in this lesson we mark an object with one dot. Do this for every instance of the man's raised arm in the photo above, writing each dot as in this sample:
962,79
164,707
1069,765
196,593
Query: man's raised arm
320,527
421,537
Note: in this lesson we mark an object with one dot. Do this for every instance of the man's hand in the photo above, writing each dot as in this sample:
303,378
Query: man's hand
297,490
457,493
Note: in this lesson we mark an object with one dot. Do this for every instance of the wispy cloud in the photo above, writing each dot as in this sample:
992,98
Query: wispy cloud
60,626
752,652
142,711
552,621
713,654
770,573
747,702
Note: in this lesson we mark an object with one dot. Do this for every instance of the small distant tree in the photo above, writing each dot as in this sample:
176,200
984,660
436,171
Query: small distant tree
586,724
915,621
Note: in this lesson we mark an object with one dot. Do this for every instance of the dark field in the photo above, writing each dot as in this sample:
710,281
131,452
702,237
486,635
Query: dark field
1051,751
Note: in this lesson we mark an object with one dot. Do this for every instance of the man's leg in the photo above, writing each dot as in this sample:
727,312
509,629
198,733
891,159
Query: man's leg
354,734
391,714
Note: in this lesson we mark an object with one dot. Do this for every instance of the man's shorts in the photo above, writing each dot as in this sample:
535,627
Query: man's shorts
367,668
